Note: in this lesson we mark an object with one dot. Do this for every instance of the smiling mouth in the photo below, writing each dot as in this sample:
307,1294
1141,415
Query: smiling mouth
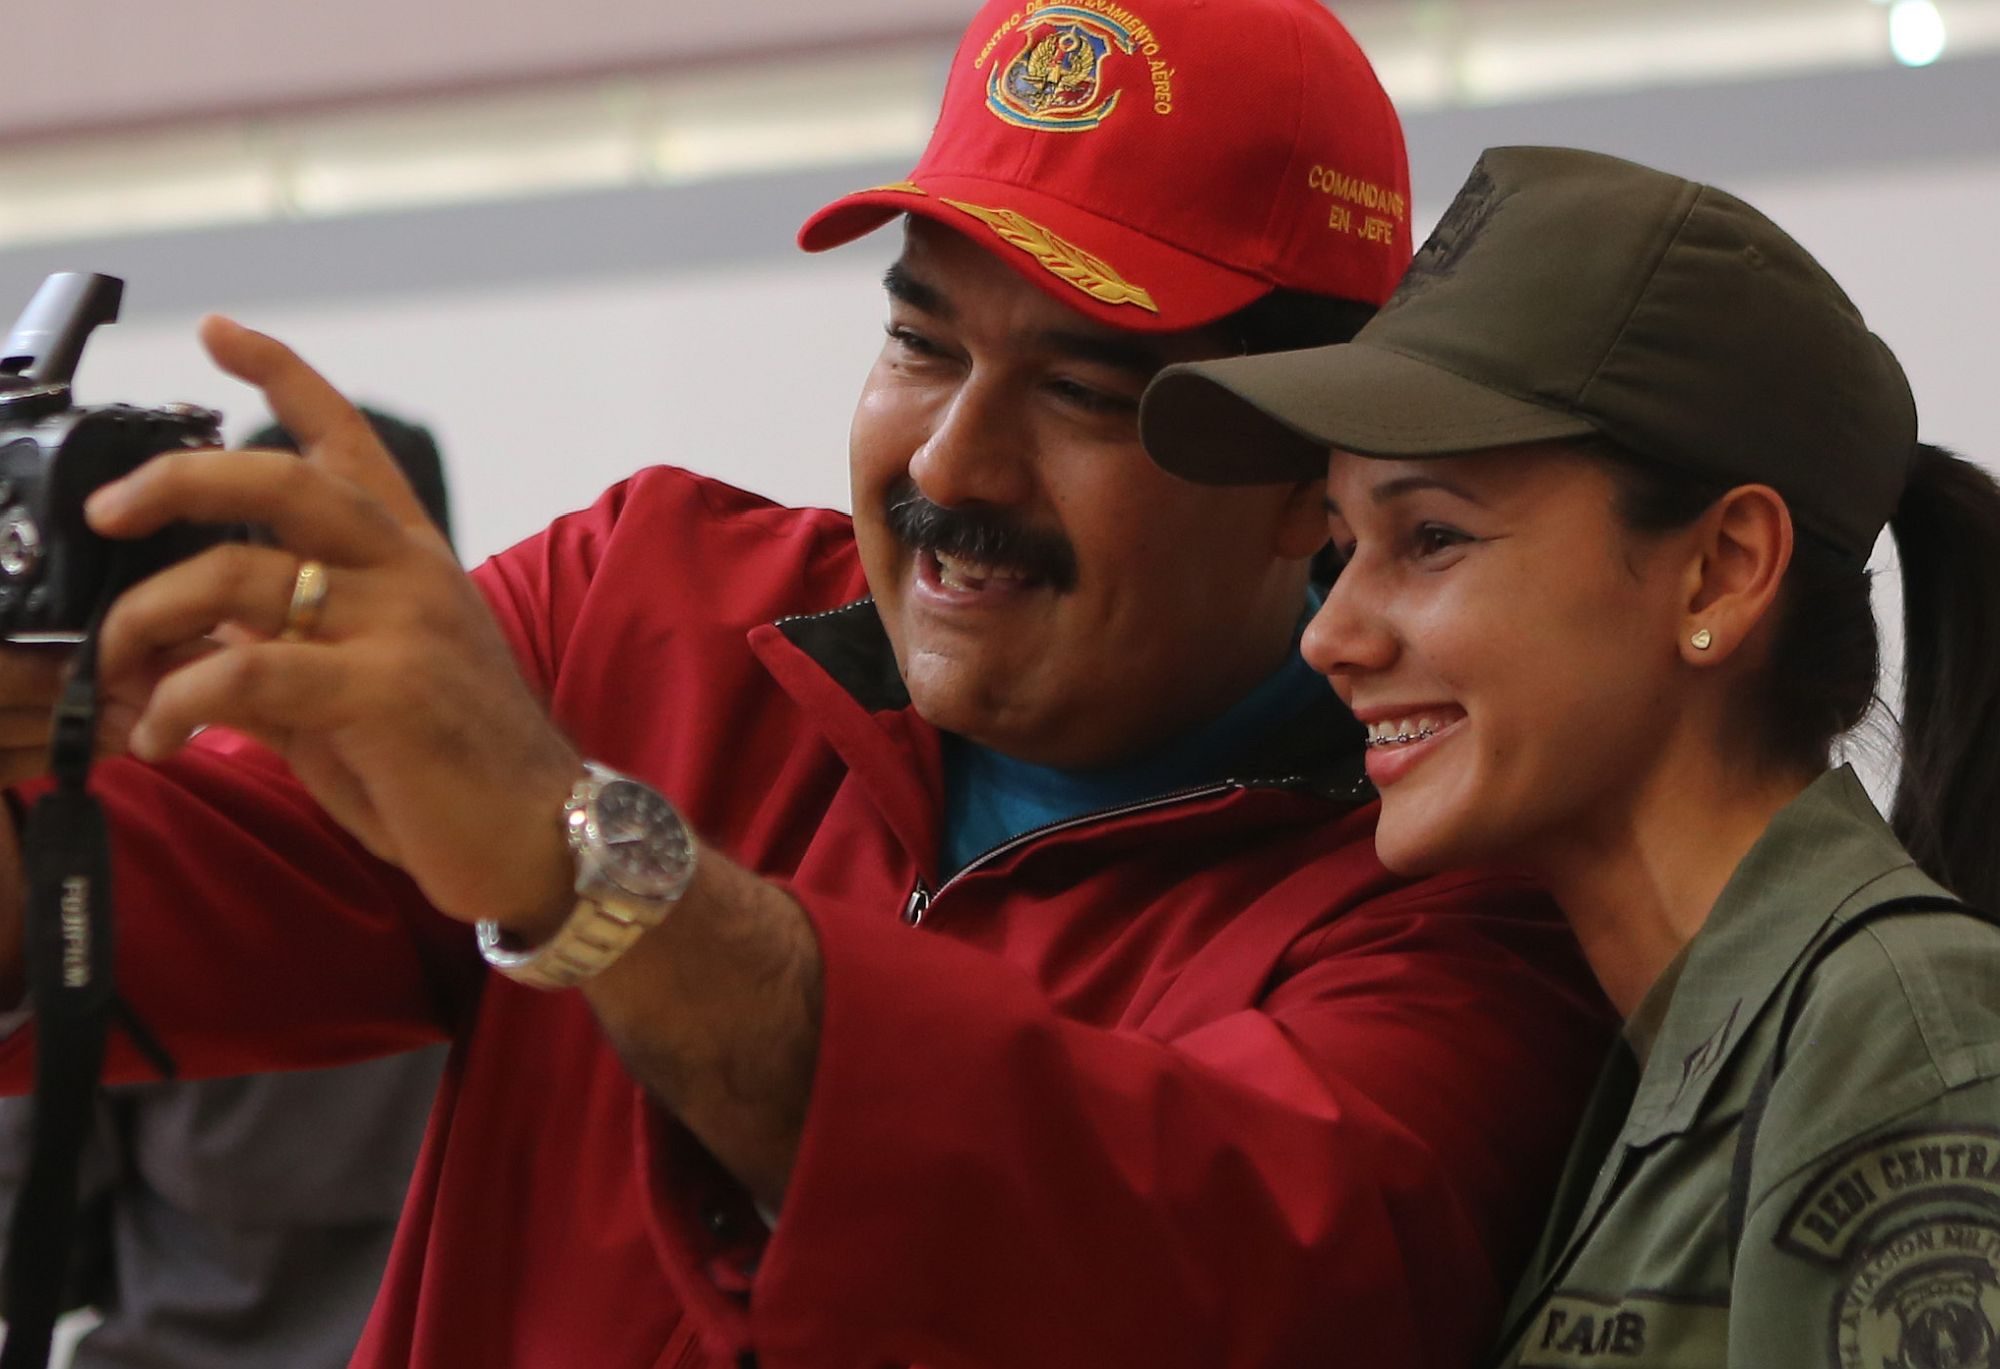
1394,732
965,576
1403,733
976,549
1400,743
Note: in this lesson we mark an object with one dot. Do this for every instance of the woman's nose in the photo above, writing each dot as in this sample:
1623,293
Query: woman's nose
1350,634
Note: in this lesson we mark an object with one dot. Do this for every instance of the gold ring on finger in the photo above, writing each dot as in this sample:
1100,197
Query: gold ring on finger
302,615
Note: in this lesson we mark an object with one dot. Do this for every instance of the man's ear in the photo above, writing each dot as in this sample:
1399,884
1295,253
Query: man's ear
1301,525
1741,550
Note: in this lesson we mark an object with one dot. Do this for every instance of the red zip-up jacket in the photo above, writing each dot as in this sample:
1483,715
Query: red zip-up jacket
1194,1082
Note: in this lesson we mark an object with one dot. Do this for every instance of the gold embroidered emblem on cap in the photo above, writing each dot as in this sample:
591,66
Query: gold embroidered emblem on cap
900,187
1064,260
1074,62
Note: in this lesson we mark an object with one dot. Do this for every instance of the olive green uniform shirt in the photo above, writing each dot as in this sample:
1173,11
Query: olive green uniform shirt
1873,1227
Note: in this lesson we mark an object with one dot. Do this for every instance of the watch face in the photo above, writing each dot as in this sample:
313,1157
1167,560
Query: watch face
641,842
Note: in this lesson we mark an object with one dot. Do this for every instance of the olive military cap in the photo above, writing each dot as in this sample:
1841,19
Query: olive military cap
1568,294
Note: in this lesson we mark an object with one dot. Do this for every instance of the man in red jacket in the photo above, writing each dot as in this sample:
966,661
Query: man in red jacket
950,936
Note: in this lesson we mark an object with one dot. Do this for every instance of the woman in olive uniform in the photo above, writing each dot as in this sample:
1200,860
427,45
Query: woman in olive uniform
1613,638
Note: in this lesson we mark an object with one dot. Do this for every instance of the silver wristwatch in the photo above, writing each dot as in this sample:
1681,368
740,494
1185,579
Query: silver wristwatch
634,857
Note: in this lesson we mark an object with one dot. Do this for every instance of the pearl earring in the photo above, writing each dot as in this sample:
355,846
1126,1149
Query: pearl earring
1703,639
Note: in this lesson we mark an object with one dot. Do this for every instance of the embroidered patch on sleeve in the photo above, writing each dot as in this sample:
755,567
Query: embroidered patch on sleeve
1912,1223
1888,1175
1923,1295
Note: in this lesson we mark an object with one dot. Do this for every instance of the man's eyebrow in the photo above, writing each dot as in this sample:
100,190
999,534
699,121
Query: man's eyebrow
919,295
1141,359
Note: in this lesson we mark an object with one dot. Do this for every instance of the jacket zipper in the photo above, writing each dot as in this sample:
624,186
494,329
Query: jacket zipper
922,897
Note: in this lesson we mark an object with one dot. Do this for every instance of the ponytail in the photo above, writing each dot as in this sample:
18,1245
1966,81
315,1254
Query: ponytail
1947,809
1822,672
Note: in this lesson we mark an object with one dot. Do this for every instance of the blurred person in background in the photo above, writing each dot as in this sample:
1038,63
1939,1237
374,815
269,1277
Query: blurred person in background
246,1221
950,935
1606,475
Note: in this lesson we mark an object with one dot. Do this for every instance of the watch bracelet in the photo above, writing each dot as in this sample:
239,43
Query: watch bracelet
591,938
594,934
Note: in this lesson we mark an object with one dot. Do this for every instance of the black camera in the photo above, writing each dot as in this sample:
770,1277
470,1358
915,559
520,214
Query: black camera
54,571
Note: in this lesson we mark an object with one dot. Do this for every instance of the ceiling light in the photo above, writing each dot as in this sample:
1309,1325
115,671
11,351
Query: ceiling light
1916,32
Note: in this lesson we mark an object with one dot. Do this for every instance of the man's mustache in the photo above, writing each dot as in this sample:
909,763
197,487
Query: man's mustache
982,535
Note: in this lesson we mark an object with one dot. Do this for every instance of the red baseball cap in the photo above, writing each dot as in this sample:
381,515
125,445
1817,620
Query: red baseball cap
1159,164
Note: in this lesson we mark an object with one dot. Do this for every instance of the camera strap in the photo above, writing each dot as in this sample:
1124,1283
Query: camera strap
67,850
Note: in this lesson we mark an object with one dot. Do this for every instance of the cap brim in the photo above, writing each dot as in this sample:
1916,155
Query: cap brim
1099,267
1263,419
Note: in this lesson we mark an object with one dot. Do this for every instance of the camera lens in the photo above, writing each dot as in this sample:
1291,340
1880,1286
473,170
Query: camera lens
20,543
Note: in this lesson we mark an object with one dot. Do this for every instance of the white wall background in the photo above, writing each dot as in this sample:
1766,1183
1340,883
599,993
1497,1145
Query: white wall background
544,394
90,64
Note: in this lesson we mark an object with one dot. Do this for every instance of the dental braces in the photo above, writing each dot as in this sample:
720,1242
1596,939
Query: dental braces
1425,735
